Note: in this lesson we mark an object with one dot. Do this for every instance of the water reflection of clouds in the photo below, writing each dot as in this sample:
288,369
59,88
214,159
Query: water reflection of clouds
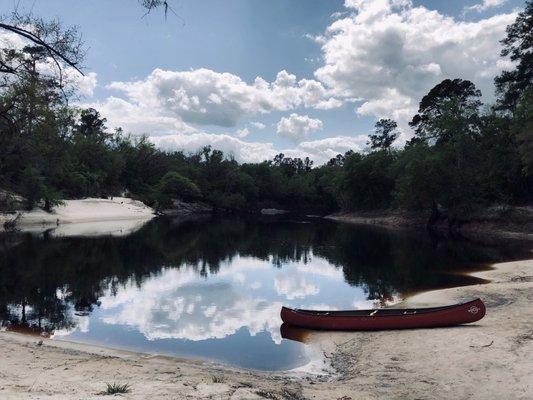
294,285
295,280
179,304
319,267
246,292
195,312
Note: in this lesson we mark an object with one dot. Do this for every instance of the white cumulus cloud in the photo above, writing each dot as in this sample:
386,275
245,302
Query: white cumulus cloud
86,83
294,286
389,53
320,151
241,150
258,125
138,118
381,55
297,127
485,5
241,133
206,97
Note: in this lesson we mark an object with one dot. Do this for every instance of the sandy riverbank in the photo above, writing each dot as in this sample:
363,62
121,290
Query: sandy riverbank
486,225
489,224
87,217
489,360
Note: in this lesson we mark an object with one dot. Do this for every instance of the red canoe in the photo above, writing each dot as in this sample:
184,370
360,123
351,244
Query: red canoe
386,318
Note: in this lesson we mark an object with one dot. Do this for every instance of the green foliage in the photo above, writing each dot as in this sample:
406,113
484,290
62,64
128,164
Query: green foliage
32,186
368,180
228,201
419,174
463,160
518,46
384,134
449,109
176,186
523,129
429,175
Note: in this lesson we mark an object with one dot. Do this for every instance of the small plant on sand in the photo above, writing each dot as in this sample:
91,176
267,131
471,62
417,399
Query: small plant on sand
116,388
217,379
267,395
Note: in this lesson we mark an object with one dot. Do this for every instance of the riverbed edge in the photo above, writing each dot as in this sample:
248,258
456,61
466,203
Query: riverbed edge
487,225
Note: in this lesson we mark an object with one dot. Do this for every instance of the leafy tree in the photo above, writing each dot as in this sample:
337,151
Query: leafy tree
98,162
459,158
449,109
518,46
384,134
91,124
337,161
37,109
291,166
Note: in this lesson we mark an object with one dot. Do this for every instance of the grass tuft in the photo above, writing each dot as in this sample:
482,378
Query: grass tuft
217,379
116,388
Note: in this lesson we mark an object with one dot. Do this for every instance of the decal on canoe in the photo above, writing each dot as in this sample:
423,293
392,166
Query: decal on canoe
473,310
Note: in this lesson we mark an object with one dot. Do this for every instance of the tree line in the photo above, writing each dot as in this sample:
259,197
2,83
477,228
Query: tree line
463,154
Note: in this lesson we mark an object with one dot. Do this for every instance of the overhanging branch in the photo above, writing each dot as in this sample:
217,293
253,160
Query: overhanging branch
37,40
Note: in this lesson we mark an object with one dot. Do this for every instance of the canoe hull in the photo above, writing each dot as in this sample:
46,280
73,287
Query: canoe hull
458,314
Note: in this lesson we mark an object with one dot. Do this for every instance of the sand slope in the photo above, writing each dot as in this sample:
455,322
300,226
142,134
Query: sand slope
87,217
490,360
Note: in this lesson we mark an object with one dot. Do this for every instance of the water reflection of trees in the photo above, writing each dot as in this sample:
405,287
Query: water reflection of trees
44,280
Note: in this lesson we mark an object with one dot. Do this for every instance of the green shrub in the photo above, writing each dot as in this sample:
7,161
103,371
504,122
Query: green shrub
176,186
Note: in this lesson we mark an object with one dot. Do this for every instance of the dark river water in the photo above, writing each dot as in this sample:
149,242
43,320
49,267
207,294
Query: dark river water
213,288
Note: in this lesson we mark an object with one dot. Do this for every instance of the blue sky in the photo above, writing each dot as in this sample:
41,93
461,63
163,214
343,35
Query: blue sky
362,60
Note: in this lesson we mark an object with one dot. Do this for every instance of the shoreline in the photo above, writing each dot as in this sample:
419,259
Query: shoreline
488,225
481,361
